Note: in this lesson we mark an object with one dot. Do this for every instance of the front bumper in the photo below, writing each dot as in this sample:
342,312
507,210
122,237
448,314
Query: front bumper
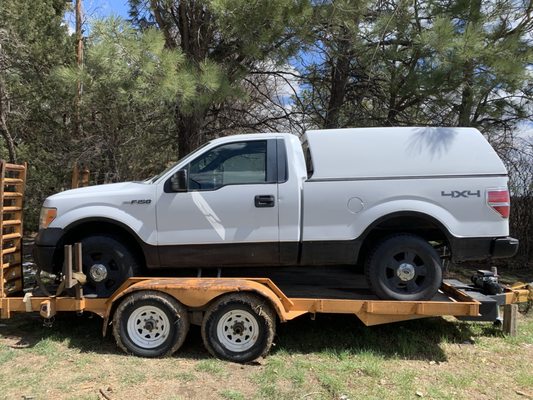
47,242
470,249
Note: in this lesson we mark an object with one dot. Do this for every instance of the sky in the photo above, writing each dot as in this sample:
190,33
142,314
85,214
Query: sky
102,8
97,9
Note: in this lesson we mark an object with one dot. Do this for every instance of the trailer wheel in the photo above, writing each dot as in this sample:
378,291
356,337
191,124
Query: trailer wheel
404,267
107,263
239,327
150,324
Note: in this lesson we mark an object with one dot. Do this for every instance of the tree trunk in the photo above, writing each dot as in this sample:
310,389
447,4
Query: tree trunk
192,20
4,130
392,112
339,78
467,95
189,131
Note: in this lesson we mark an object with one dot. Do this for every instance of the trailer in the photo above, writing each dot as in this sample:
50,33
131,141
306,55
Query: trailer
151,316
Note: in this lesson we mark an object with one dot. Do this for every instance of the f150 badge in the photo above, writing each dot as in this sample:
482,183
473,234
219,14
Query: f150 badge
455,194
146,201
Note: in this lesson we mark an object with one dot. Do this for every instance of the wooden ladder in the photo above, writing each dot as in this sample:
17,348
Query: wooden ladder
12,185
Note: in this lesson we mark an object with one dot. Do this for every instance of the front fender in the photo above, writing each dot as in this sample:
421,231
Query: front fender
144,228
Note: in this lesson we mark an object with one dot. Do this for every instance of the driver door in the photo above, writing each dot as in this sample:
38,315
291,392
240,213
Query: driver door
229,213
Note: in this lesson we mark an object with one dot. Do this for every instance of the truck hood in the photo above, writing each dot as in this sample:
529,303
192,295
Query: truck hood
107,189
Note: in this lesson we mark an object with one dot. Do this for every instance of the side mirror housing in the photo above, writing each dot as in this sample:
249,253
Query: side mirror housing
178,182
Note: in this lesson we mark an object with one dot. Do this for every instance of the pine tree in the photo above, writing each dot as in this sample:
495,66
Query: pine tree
32,40
131,82
485,47
222,41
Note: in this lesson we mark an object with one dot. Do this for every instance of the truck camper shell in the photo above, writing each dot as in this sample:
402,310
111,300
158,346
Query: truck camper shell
410,152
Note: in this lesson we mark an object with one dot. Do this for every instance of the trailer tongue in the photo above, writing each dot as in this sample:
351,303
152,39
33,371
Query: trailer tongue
151,315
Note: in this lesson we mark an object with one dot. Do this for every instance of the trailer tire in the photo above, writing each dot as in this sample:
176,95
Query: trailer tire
239,327
404,267
150,324
107,254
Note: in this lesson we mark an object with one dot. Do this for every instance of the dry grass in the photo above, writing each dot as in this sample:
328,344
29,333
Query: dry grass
333,357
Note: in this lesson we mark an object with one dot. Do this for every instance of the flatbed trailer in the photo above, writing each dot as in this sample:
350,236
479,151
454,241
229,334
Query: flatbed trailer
150,316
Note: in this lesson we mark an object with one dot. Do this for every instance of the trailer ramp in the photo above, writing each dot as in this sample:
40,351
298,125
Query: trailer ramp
12,186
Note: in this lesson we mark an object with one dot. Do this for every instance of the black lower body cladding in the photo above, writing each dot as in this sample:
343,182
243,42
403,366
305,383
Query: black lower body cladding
47,252
471,249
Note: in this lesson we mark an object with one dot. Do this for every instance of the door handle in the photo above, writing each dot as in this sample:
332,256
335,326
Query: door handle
264,200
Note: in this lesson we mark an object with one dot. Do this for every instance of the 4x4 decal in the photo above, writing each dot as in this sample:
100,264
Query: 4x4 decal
454,194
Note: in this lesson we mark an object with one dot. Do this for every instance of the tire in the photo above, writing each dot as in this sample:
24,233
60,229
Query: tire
404,267
239,327
150,324
109,254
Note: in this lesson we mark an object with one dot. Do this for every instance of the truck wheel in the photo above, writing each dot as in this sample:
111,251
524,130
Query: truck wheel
239,327
404,267
107,263
150,324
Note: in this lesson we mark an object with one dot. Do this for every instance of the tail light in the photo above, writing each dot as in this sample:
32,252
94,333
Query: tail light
499,201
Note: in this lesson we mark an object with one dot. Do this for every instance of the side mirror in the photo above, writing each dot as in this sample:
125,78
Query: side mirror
178,181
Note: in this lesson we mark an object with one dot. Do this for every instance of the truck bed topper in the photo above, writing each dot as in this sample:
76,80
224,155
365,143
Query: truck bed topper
410,152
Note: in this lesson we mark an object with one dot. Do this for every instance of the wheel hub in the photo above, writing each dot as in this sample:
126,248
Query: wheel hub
98,272
238,328
406,272
150,324
148,327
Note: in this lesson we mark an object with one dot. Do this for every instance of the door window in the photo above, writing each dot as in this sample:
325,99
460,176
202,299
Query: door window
229,164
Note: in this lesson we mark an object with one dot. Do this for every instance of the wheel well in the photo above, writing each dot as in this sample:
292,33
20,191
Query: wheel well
100,227
417,224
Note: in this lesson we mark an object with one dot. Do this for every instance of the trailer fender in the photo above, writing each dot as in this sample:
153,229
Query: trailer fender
197,293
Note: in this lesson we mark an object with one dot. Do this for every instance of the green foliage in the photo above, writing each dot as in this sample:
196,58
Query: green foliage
33,41
423,62
260,26
135,64
130,85
222,42
160,84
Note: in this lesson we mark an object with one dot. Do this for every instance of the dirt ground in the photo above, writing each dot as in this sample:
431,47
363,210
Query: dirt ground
332,357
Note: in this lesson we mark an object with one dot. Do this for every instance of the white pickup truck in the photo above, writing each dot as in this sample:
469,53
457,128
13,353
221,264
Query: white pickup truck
387,198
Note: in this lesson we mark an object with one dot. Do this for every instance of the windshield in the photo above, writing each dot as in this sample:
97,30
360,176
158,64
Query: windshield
156,178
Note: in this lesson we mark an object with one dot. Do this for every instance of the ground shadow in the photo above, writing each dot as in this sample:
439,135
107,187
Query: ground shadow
420,339
80,332
417,339
83,333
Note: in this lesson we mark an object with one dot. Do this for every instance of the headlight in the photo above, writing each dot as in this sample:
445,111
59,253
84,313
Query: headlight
48,214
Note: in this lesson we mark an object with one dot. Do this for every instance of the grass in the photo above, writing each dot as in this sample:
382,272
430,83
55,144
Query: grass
6,353
333,357
212,367
230,394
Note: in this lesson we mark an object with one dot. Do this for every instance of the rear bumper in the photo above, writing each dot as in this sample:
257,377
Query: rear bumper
470,249
44,250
